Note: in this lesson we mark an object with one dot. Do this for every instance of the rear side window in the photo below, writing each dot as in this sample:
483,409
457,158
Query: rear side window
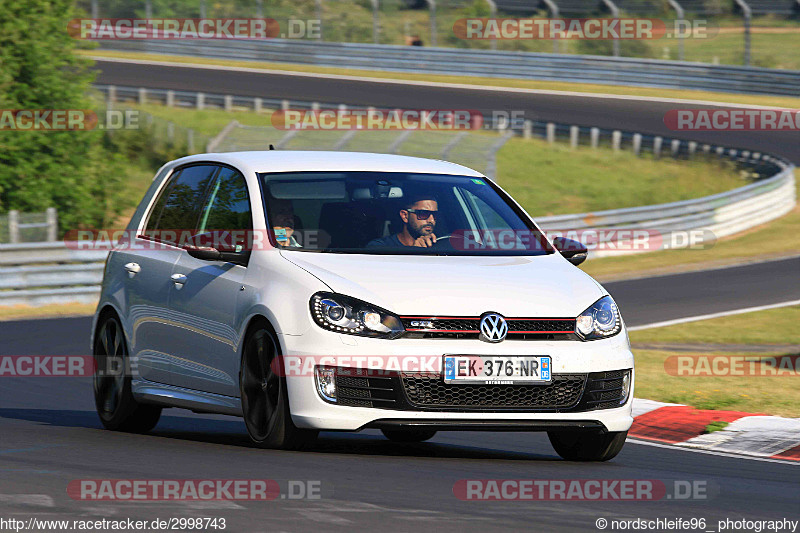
178,207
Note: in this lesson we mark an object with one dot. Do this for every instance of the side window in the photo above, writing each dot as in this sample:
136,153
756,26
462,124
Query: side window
178,208
227,207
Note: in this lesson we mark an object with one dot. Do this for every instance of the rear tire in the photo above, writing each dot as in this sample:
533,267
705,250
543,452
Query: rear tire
587,446
265,401
408,435
113,396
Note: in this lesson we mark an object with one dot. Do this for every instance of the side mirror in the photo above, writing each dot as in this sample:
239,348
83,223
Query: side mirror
203,253
199,249
573,251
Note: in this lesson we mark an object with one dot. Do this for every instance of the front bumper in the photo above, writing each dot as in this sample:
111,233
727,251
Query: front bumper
309,410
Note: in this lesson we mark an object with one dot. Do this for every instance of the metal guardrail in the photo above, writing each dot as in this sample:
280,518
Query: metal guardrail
44,273
502,64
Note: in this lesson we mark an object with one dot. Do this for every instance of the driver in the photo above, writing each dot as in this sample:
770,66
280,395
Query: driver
419,220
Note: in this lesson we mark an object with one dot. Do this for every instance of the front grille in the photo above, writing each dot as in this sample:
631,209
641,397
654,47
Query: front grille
426,390
603,390
357,388
421,392
469,327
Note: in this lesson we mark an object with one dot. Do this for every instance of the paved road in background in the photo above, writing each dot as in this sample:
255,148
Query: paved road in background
612,113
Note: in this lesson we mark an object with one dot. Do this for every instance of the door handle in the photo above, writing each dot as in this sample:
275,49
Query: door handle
178,280
133,269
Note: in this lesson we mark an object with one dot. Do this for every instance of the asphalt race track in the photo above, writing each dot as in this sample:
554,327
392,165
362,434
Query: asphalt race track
611,113
50,435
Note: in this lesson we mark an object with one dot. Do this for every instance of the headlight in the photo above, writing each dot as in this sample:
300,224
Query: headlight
344,314
601,320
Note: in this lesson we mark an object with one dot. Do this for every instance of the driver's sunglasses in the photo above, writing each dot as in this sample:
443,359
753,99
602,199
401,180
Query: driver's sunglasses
422,214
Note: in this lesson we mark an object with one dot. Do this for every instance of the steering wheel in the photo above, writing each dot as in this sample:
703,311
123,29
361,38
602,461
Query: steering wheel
443,241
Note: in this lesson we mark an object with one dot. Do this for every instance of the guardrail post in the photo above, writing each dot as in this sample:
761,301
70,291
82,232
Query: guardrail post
553,15
732,152
202,9
594,135
228,102
111,97
318,14
13,226
52,224
657,142
375,25
681,14
342,108
284,105
614,13
201,101
190,141
492,14
692,148
616,140
170,131
706,148
747,13
573,136
720,150
260,8
257,104
637,144
148,9
170,98
95,10
551,132
314,106
527,129
142,95
432,6
675,147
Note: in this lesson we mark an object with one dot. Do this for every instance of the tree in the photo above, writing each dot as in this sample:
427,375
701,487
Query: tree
69,170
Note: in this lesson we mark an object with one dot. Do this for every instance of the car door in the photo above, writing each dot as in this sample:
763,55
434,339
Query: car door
149,266
204,302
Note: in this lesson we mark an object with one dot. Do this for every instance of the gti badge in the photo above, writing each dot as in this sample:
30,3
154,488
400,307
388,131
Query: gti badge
493,328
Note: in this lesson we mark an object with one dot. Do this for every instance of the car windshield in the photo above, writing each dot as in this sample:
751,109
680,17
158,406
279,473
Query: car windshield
396,213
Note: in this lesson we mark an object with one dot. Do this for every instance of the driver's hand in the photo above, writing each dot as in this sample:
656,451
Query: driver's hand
425,241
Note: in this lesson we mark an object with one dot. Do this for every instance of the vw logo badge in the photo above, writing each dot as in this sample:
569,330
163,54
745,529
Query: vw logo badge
493,327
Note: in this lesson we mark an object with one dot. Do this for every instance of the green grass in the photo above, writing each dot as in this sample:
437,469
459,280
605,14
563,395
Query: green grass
773,326
552,180
775,239
767,49
717,425
777,395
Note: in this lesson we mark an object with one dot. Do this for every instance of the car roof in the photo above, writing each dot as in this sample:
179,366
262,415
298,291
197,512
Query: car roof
320,161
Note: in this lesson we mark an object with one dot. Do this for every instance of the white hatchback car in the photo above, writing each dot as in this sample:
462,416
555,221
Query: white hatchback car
310,291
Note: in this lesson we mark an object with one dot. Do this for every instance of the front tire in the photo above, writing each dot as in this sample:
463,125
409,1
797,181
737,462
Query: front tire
265,401
587,446
408,435
113,396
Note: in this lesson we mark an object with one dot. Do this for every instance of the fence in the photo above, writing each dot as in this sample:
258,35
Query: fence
16,227
501,64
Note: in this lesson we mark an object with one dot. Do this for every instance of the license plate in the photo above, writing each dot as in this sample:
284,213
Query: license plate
497,370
